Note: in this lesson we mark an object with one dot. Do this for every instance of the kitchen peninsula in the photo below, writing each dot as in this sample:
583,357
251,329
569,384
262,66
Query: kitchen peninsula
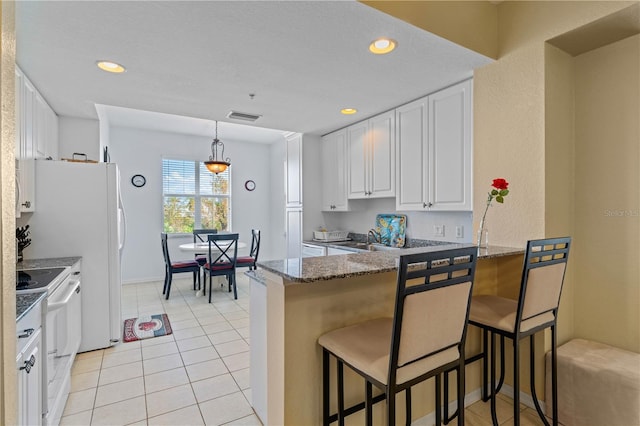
294,301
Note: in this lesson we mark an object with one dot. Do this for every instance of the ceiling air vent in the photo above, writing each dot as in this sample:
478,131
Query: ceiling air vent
243,116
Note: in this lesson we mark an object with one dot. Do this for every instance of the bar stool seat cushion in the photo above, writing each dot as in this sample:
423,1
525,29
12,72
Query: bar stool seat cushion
499,312
365,346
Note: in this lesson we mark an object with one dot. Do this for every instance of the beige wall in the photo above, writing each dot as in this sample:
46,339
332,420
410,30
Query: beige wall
524,131
607,221
8,401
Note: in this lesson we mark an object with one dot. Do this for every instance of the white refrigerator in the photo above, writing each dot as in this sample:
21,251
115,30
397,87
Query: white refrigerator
79,212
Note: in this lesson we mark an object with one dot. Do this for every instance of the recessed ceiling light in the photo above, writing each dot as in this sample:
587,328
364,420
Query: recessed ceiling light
348,111
110,66
382,46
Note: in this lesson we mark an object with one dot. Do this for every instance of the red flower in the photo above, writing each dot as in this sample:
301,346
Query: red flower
500,183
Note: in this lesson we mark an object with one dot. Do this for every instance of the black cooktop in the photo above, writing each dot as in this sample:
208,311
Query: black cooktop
31,279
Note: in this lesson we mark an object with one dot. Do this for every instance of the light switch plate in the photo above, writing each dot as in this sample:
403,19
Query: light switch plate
438,230
459,231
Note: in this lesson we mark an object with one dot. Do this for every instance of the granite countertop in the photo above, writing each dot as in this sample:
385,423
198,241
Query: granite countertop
54,262
24,302
312,269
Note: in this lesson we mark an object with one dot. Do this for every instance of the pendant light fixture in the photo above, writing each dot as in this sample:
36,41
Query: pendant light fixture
215,165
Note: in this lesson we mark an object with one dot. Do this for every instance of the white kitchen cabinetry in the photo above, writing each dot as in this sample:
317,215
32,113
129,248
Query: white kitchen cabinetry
331,251
433,145
334,172
293,170
293,226
26,186
29,368
371,153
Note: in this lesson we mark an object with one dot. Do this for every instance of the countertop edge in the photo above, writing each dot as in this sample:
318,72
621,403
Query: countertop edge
32,299
315,269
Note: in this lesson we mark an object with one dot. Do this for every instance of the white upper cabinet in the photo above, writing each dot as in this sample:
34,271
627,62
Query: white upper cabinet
433,139
450,144
36,122
371,155
334,171
293,171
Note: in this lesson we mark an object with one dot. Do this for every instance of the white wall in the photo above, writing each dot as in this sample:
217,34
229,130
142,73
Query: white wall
140,152
419,224
79,135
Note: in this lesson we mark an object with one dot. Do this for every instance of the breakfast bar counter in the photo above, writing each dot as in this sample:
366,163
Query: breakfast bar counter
295,301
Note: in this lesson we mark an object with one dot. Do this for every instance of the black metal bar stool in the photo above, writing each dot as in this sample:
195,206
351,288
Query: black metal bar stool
536,309
424,338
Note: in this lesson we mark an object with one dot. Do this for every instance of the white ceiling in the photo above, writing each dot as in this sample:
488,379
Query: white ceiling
193,62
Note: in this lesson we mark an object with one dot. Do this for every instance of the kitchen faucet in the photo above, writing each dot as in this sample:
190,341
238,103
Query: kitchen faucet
376,236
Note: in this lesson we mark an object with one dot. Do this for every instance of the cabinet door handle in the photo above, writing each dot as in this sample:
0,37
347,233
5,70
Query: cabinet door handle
425,205
27,204
26,333
28,364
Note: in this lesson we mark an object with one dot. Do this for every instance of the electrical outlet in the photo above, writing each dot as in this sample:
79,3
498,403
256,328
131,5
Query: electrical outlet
438,230
459,231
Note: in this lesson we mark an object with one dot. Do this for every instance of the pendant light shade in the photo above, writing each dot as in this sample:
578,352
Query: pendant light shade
217,165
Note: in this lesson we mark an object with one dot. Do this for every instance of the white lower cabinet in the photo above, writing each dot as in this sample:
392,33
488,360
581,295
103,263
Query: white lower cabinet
331,251
293,229
433,149
29,368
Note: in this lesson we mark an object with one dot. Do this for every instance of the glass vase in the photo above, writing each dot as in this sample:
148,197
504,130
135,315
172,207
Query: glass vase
483,236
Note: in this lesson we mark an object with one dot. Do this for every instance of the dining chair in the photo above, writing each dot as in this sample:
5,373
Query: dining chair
201,258
425,337
176,267
221,260
535,310
250,261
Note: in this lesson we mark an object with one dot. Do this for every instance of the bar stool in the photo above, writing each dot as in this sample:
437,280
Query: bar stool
536,309
424,338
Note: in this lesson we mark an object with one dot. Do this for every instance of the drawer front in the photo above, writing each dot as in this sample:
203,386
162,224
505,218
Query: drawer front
27,326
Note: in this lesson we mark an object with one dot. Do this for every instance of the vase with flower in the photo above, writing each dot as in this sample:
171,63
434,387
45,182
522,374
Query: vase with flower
498,192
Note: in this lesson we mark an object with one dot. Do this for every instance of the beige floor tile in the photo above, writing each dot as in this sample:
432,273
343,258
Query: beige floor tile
169,400
239,323
224,337
241,314
251,420
193,343
152,341
188,333
205,318
188,323
79,419
204,370
247,394
231,348
528,417
225,409
119,358
504,409
84,381
156,351
217,327
472,419
120,373
156,365
188,416
80,401
165,380
123,347
90,354
86,365
119,391
199,355
227,307
242,378
237,361
121,413
214,387
245,332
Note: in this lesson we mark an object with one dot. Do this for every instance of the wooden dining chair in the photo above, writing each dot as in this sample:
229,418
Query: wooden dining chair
250,261
176,267
221,259
425,337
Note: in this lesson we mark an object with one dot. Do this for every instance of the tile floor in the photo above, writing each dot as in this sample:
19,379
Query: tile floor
198,375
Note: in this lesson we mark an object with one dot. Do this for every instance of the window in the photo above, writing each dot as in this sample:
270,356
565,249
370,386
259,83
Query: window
193,197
